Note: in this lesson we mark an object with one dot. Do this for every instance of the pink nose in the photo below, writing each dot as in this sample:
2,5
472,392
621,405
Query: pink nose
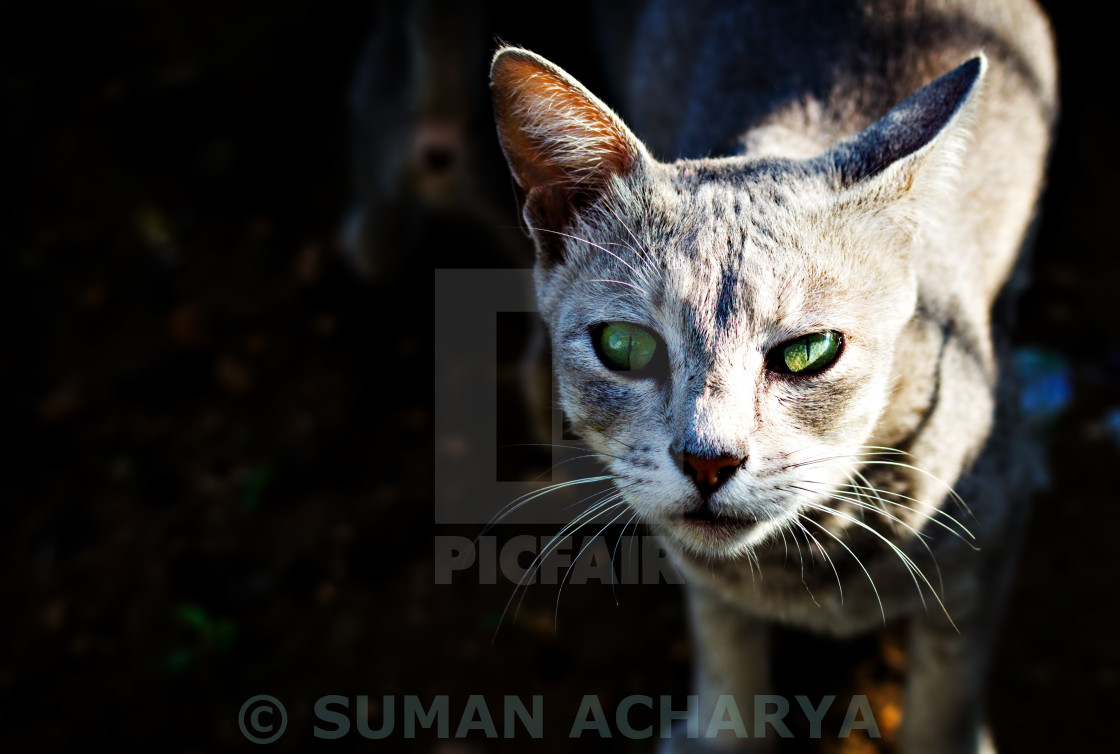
709,474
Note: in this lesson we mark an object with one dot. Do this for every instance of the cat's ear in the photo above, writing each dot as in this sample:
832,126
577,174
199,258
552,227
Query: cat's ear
562,143
915,149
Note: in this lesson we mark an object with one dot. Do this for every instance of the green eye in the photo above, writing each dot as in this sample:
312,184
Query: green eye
626,346
809,353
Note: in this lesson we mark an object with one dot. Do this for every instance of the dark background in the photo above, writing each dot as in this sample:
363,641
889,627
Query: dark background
219,439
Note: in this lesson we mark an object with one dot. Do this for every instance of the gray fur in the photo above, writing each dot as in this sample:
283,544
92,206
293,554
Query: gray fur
824,183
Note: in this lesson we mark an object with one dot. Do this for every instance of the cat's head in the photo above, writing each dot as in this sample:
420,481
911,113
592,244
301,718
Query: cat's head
724,330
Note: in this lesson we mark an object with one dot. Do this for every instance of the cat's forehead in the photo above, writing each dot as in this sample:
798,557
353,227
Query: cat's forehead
748,253
741,187
718,248
748,238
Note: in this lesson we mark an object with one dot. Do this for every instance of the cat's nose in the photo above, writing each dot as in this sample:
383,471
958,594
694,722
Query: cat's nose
708,474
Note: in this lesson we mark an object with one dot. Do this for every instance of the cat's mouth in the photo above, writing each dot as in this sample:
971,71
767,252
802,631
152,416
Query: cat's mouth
705,521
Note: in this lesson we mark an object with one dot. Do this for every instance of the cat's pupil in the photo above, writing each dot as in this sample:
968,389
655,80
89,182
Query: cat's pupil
623,346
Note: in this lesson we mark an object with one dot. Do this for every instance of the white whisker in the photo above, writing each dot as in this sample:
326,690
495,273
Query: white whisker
835,573
912,568
560,591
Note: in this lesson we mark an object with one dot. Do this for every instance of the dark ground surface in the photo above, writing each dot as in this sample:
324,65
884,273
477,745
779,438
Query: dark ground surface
218,474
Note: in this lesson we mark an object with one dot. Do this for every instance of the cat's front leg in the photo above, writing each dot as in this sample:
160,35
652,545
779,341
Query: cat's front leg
731,666
944,706
944,691
947,667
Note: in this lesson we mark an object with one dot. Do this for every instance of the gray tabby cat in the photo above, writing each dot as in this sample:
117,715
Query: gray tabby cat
788,344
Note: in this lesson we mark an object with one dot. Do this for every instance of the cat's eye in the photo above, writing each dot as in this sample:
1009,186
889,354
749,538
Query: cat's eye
624,347
806,354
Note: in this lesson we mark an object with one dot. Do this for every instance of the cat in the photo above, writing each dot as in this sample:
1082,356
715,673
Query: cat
781,316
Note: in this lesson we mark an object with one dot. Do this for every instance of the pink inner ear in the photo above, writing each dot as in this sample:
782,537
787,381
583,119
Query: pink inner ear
552,131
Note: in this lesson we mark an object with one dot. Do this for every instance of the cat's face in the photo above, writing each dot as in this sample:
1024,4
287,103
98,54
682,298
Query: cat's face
725,267
724,331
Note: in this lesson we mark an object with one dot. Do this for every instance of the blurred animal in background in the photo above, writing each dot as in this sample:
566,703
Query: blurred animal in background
431,188
428,173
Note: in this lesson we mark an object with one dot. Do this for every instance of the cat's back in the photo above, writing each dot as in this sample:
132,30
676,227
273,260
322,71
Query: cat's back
702,73
791,77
